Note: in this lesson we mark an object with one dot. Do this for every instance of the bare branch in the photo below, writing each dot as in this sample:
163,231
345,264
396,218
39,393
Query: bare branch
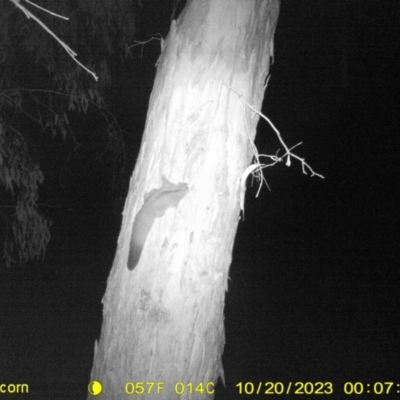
256,168
71,53
48,11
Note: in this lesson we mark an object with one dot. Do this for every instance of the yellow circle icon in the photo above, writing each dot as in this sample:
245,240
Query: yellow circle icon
95,388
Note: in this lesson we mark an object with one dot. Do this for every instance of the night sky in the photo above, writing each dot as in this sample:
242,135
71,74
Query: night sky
314,289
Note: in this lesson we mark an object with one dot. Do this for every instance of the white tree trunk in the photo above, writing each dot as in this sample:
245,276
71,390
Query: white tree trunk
163,321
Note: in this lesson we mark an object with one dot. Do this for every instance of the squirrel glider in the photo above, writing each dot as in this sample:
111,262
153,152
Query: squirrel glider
156,203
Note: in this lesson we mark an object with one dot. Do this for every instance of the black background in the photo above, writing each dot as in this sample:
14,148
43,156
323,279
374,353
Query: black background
314,284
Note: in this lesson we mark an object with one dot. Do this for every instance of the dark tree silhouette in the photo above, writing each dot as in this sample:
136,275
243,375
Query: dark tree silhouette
40,85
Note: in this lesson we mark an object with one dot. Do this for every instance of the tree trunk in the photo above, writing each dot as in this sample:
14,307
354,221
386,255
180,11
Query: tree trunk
163,321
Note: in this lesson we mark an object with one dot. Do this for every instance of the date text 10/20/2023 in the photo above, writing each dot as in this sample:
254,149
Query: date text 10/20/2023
318,388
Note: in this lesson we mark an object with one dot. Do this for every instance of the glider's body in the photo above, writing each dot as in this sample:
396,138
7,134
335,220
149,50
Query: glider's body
156,202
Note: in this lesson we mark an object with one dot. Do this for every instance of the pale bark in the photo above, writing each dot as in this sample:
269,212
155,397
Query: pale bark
164,320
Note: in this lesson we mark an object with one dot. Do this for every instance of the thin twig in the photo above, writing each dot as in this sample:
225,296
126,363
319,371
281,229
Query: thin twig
256,168
71,53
